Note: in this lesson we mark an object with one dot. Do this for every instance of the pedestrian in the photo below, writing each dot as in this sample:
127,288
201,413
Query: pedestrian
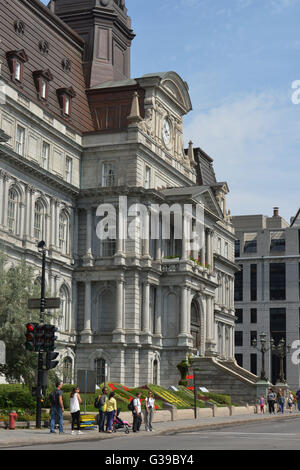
57,408
290,402
75,402
137,412
102,414
298,398
110,407
262,403
149,411
280,401
271,398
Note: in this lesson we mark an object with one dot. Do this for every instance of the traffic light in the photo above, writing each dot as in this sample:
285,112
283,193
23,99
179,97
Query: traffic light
49,337
30,336
50,360
39,338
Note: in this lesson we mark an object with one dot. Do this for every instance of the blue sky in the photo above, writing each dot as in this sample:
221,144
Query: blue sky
239,58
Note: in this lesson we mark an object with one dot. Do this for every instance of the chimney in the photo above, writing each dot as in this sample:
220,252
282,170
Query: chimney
275,211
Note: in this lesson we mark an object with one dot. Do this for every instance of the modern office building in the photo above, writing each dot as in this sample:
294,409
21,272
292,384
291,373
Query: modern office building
266,295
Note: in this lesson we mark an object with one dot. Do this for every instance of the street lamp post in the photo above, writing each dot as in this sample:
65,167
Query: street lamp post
281,350
263,349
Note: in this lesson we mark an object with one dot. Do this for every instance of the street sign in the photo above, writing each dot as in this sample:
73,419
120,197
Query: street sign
35,304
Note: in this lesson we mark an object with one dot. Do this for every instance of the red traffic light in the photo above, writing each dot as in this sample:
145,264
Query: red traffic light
30,326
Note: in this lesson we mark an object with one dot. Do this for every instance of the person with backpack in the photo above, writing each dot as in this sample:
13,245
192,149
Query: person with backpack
99,403
137,412
75,401
57,408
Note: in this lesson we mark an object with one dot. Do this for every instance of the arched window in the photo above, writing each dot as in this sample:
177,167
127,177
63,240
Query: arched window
195,325
65,309
100,371
67,370
38,220
63,233
155,372
12,210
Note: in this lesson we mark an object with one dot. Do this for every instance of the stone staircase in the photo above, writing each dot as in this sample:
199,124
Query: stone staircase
220,376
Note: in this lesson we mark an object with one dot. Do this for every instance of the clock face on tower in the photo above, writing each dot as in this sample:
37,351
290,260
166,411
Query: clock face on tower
166,131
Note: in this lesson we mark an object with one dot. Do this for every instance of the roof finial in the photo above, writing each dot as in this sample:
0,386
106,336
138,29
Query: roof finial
135,116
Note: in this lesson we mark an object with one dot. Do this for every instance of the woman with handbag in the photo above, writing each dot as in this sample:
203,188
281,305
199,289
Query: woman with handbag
111,411
149,411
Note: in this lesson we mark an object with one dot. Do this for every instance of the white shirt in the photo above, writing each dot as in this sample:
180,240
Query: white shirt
150,402
74,404
137,403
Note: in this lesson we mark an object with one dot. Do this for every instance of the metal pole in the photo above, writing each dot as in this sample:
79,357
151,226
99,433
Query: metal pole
85,389
41,246
195,397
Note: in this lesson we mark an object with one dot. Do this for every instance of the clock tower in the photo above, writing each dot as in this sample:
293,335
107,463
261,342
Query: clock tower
106,29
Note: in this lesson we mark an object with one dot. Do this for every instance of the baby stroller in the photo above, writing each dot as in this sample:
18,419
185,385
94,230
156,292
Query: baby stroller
119,424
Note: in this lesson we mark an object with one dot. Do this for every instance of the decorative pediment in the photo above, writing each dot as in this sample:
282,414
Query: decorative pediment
177,89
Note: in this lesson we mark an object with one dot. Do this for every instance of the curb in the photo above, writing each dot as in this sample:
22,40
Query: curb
169,431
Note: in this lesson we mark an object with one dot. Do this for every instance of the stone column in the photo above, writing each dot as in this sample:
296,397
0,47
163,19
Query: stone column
86,334
146,337
210,343
183,333
118,333
88,258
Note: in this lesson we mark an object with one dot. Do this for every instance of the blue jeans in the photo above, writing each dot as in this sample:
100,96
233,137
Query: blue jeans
102,416
56,411
110,418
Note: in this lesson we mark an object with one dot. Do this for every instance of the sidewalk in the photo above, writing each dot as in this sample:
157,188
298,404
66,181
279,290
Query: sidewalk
26,437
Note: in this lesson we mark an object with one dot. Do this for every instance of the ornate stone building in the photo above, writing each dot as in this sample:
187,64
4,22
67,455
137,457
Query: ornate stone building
77,133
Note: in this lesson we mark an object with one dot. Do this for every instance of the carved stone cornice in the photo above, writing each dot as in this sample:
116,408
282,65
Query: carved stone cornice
32,169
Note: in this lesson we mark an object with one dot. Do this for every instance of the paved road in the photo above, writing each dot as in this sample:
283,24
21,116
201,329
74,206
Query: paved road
278,434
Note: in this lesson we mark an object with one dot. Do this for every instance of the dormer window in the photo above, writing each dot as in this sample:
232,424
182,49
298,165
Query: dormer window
41,80
65,97
16,61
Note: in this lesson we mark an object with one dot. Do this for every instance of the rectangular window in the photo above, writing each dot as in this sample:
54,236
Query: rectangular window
239,359
239,315
253,363
253,315
67,106
253,282
238,338
44,90
18,71
219,246
69,169
250,246
20,140
226,251
108,175
237,248
253,336
277,281
45,155
147,177
277,332
238,285
277,241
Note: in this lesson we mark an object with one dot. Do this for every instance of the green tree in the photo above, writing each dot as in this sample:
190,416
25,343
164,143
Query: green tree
16,287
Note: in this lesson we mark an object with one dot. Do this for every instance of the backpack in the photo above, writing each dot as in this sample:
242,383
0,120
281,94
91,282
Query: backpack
131,405
53,398
97,402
